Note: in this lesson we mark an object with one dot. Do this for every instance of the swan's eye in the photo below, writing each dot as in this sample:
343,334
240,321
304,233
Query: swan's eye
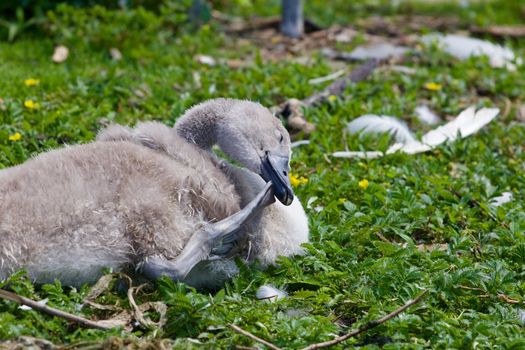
281,139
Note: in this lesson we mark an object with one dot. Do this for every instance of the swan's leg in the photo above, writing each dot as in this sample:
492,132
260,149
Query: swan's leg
217,239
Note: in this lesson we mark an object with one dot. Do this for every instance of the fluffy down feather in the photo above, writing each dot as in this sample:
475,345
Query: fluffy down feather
374,124
268,292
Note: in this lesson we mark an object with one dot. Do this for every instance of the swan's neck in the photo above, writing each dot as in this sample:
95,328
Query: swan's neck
199,125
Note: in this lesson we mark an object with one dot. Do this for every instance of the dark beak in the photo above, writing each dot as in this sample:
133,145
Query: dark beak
275,168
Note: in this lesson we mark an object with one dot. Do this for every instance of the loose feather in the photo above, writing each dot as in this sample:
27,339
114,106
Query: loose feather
521,315
426,115
40,302
358,154
299,143
379,51
463,47
467,123
373,124
505,197
268,292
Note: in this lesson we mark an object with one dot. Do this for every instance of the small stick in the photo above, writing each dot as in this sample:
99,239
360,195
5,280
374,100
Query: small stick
49,310
240,347
328,77
367,326
337,88
383,238
472,288
501,296
139,316
253,337
501,31
508,299
484,295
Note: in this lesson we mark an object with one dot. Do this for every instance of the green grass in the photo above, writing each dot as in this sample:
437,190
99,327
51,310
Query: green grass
349,275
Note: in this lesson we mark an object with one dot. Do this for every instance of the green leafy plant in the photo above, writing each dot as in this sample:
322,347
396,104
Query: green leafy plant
19,24
422,221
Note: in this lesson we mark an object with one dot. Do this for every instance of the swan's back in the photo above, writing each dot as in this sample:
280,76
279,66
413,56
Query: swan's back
104,204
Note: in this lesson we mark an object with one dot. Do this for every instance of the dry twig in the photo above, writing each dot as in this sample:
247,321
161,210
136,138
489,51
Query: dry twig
508,299
138,310
501,31
49,310
501,296
342,338
240,347
484,295
337,88
472,288
366,326
253,337
383,238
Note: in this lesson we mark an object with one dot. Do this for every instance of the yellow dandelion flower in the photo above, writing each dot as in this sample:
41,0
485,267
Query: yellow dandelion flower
332,98
433,86
30,104
15,137
363,184
31,82
297,181
294,180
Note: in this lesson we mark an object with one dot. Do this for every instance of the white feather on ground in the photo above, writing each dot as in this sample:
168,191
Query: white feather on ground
467,123
379,51
463,47
299,143
505,197
40,302
268,292
374,124
358,154
521,315
426,115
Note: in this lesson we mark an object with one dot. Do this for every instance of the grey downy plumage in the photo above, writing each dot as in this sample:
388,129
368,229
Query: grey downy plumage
155,200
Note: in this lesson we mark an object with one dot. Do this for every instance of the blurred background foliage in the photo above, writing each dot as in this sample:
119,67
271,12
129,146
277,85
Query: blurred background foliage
100,20
110,20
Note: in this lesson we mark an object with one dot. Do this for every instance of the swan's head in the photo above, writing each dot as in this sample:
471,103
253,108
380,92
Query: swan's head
251,135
